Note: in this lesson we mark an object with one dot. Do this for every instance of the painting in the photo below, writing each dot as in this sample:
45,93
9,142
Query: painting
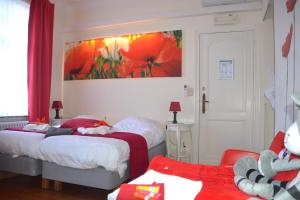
157,54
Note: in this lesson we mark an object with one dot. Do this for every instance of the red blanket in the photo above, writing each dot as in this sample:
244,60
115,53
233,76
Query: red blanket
217,181
21,129
138,159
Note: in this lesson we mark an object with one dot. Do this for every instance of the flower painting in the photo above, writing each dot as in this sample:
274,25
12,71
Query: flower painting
156,54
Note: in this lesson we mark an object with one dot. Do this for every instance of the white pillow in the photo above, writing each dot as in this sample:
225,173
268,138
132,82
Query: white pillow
36,127
152,130
102,130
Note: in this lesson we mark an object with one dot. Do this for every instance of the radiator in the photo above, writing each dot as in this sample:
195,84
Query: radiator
17,124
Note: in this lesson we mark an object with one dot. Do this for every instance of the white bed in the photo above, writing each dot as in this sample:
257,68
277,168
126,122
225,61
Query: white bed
19,152
87,152
80,154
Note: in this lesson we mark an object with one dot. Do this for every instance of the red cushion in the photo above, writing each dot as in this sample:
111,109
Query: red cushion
83,122
230,156
277,143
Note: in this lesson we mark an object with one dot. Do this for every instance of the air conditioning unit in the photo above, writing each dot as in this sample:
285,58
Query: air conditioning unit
206,3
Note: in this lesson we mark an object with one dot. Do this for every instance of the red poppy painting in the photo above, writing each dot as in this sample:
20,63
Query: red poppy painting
156,54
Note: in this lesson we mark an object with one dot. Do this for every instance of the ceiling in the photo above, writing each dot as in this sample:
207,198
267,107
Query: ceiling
201,2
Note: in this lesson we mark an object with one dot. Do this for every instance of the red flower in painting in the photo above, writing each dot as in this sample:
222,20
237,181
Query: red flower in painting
124,70
290,4
106,67
287,44
155,51
81,58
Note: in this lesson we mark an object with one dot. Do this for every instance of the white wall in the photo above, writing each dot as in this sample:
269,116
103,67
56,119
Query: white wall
287,77
149,97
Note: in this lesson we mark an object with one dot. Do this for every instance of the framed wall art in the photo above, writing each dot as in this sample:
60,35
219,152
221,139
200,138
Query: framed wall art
157,54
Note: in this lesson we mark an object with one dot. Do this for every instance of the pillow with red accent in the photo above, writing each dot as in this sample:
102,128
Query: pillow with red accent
83,122
87,117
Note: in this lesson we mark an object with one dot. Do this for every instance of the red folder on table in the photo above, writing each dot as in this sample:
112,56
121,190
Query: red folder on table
154,191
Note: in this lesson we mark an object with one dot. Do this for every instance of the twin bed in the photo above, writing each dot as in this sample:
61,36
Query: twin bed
99,162
19,152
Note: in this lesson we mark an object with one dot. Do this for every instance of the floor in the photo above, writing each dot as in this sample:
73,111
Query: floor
29,188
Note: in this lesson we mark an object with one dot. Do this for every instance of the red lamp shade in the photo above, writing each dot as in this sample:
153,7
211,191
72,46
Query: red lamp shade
175,106
57,105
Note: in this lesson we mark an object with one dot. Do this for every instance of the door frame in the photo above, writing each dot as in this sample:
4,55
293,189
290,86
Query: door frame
258,101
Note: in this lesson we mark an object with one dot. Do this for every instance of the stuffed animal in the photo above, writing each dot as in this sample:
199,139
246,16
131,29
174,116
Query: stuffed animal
255,177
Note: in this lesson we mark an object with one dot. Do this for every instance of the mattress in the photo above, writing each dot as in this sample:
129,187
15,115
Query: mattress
84,152
19,143
97,177
19,152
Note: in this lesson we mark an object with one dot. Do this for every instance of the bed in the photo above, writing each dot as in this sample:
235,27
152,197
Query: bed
98,162
206,182
19,152
216,181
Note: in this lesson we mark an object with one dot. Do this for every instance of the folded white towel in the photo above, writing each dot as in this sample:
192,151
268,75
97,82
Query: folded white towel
97,130
175,187
36,127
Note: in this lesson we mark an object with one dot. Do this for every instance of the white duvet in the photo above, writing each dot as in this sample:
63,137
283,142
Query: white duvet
86,152
19,143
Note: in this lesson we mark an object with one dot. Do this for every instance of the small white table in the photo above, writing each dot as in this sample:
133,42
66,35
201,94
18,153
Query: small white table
183,147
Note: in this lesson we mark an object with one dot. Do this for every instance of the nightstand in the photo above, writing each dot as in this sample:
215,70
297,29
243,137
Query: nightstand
179,141
57,122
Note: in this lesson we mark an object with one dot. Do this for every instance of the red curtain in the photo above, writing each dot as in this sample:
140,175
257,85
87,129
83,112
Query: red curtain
40,34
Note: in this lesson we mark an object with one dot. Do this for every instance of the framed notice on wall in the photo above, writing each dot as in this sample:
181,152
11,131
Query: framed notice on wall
226,69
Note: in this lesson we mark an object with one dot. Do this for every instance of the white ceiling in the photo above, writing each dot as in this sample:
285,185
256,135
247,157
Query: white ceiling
201,2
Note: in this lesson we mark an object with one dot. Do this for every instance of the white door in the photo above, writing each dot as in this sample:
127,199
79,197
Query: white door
226,82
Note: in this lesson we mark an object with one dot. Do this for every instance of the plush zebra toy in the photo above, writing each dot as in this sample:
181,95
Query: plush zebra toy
255,177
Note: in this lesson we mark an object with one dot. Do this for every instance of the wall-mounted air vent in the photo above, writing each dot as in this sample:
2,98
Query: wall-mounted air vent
221,2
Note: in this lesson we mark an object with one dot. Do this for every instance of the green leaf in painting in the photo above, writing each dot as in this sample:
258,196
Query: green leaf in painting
178,35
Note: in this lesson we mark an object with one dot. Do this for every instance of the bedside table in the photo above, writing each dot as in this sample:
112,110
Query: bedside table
57,122
179,141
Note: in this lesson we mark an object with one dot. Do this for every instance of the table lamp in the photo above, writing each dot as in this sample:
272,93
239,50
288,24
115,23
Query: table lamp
175,107
57,105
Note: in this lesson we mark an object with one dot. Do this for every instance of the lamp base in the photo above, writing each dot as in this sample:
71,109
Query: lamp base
174,119
56,114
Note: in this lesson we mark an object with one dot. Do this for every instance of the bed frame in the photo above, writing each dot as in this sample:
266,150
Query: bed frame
97,177
21,165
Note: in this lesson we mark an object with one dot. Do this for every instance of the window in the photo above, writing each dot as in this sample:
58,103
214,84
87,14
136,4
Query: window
14,16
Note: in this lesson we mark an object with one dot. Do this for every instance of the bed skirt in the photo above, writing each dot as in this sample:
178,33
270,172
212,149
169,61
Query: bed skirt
21,165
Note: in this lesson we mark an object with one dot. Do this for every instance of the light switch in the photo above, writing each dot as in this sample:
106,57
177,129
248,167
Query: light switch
188,91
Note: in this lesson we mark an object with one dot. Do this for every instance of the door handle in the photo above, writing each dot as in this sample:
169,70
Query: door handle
203,102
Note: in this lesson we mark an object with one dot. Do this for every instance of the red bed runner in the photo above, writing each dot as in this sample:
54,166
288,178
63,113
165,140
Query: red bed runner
138,157
217,181
21,129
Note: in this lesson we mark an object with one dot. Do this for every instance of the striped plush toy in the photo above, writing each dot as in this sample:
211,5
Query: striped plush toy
255,177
